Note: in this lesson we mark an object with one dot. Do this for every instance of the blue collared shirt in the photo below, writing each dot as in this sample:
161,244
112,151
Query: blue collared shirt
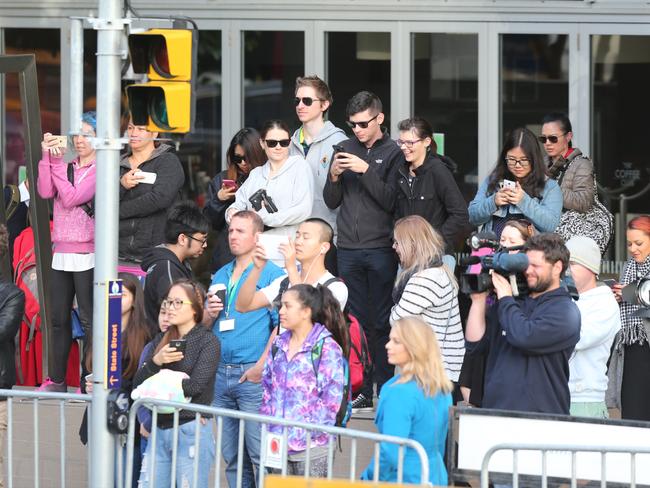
246,342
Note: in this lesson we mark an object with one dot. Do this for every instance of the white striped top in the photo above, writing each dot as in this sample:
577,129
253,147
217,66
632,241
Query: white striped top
430,296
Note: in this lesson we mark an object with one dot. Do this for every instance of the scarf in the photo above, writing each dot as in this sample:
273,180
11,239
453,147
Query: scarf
632,328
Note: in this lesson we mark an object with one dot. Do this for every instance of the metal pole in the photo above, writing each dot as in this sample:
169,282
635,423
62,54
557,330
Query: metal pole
109,27
76,74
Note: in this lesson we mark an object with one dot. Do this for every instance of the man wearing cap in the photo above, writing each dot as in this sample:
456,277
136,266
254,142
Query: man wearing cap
600,320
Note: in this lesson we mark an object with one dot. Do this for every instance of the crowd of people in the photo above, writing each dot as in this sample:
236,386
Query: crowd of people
314,230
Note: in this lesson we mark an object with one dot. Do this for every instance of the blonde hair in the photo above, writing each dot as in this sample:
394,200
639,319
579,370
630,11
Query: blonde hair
420,246
425,365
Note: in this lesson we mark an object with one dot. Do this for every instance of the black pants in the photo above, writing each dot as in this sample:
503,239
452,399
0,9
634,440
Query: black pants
64,286
369,275
635,391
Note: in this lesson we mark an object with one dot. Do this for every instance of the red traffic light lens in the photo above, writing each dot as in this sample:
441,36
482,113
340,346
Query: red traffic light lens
159,58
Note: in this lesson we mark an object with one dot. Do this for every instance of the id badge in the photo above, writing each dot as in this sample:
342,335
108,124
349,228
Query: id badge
273,448
226,325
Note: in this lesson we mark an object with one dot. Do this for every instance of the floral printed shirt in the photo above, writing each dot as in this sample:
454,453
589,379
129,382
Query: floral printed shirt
294,389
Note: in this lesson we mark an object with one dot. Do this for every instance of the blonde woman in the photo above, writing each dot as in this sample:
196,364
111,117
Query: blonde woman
414,404
426,288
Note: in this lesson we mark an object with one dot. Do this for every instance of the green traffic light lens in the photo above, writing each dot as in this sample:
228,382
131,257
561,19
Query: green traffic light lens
158,110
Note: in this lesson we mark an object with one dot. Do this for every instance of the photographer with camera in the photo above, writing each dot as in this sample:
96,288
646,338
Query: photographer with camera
528,339
282,190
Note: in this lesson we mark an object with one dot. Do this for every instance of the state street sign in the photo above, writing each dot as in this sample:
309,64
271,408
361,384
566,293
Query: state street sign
113,378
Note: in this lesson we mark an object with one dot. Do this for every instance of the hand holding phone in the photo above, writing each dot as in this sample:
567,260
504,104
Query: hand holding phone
507,185
229,184
610,283
178,344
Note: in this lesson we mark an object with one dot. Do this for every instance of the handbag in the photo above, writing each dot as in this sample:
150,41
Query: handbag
596,223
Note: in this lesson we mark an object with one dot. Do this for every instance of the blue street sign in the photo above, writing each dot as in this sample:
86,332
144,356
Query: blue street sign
113,377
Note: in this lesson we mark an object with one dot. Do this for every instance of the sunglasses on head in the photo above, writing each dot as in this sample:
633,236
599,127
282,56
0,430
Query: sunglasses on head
273,142
362,125
307,101
551,139
237,159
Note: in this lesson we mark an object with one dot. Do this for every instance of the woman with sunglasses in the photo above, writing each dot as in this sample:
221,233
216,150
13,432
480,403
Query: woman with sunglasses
198,359
567,164
243,155
281,191
518,188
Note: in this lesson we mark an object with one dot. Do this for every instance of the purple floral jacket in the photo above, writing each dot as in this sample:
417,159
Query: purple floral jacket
293,390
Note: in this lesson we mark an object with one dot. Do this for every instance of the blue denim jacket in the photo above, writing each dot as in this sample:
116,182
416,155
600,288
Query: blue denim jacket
543,213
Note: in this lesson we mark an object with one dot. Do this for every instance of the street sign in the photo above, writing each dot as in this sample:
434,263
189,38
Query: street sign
113,378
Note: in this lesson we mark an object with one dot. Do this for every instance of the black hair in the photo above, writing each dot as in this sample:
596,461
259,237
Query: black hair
364,100
184,217
326,231
422,128
326,310
561,119
137,332
274,124
249,140
553,247
534,183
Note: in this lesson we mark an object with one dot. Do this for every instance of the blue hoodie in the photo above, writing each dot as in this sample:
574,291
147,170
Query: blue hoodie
529,343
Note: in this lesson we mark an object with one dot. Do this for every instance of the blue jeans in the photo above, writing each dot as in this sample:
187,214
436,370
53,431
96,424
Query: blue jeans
245,397
184,456
369,275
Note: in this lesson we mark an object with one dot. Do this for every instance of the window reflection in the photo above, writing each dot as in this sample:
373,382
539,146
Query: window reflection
445,92
534,78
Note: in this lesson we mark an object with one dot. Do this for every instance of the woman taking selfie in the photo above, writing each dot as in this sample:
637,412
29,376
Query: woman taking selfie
295,388
517,188
414,404
281,191
198,359
244,154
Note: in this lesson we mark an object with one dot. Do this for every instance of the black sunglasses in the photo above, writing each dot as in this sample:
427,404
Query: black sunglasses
273,142
551,139
237,159
362,125
307,101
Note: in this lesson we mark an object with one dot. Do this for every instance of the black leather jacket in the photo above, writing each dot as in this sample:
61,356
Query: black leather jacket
12,309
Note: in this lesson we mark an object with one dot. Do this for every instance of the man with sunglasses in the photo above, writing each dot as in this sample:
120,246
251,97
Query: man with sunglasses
186,237
362,183
314,139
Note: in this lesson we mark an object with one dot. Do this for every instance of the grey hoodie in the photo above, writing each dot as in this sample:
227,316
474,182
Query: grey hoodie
319,157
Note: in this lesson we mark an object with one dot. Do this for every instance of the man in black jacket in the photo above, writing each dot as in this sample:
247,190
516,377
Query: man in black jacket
12,309
361,182
186,236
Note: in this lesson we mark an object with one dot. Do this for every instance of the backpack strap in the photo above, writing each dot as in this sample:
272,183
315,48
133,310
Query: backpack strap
14,201
70,172
284,286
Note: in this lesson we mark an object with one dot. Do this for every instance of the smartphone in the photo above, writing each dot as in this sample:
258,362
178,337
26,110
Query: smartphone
508,185
218,289
338,148
178,344
61,141
230,184
147,177
610,283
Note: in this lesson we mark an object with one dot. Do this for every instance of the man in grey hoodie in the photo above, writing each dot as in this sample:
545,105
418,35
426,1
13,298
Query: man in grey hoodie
314,139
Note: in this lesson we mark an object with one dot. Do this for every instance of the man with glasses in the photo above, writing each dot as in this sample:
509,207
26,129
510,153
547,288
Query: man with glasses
186,236
314,139
362,183
244,339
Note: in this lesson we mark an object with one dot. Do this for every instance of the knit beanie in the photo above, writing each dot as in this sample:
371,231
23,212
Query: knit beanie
584,251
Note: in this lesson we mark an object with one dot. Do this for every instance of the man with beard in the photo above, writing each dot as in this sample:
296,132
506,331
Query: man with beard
530,339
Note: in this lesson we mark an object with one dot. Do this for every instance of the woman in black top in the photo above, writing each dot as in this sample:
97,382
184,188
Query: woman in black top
184,304
425,184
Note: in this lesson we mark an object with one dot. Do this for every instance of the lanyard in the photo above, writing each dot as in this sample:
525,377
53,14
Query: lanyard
230,289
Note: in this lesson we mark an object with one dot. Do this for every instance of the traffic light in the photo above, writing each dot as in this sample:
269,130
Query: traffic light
165,103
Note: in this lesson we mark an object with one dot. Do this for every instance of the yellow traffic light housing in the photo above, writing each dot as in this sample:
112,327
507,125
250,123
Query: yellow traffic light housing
165,103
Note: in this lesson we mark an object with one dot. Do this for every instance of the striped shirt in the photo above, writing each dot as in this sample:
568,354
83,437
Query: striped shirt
431,296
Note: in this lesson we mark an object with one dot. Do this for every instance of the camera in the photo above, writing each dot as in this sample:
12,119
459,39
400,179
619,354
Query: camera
488,254
260,198
638,293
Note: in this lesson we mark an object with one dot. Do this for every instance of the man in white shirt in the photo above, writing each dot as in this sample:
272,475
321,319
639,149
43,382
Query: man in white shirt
312,242
600,320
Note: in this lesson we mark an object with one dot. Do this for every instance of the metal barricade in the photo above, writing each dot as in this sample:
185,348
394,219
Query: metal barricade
545,449
219,414
39,401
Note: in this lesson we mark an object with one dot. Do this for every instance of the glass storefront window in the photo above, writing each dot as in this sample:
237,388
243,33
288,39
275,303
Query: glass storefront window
534,79
445,92
357,61
620,79
272,62
45,44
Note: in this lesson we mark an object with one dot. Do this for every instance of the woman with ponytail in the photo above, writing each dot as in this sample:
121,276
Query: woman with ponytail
198,359
303,378
426,185
414,404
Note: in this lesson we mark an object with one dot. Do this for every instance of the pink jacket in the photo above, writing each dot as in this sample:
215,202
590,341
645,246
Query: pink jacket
74,230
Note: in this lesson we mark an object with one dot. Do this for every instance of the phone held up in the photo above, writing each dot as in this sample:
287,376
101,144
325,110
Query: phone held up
230,184
178,344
